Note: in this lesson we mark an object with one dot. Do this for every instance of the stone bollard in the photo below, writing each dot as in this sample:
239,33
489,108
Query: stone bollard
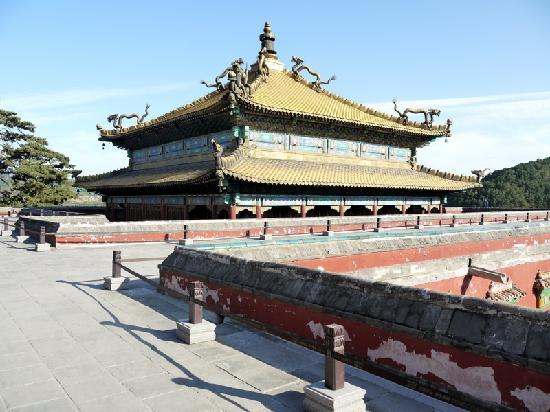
453,221
378,227
196,330
6,231
116,281
264,235
419,224
334,393
42,246
328,231
22,232
186,241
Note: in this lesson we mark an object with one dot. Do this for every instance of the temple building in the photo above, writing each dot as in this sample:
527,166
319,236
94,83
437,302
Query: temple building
271,142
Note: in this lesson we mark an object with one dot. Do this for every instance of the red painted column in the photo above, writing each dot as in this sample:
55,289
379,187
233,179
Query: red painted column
430,208
233,212
258,212
303,210
441,208
375,209
341,209
403,209
185,212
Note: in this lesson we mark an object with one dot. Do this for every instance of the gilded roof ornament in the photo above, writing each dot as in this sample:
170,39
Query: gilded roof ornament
480,174
299,66
263,68
268,41
428,114
117,120
237,79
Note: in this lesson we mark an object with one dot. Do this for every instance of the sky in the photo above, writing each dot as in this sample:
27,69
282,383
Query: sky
67,65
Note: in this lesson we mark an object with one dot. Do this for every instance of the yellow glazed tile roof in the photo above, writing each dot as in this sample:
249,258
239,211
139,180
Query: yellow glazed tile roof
204,103
283,92
145,177
303,173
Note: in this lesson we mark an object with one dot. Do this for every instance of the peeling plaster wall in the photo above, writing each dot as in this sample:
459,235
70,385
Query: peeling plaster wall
469,351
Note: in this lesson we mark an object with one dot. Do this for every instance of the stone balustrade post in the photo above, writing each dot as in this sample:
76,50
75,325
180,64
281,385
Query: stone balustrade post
186,240
453,221
196,329
378,227
196,294
419,224
265,235
117,258
116,281
333,393
334,369
328,231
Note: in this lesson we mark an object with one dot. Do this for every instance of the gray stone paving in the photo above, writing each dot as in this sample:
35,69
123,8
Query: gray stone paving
66,344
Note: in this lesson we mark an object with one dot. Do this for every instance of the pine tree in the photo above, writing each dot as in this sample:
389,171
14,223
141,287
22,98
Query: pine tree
526,185
32,173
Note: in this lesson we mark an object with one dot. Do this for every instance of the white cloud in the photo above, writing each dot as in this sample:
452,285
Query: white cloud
488,131
70,98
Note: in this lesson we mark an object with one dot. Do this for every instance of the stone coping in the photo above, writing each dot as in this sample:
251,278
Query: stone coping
98,224
318,250
507,332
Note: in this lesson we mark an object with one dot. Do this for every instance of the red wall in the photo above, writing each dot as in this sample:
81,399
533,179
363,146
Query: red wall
478,375
522,276
350,263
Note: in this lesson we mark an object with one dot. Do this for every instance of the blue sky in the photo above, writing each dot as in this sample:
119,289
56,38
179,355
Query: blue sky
67,65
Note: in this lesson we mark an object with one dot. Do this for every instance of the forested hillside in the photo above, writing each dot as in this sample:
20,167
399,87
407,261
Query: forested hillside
526,185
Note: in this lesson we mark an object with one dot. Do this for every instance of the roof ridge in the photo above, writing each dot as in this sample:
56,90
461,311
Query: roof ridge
231,160
188,105
164,117
357,105
446,175
111,173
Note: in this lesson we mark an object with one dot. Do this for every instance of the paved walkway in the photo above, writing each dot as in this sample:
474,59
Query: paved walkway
66,344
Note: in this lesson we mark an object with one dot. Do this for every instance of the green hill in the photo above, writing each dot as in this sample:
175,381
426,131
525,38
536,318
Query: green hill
526,185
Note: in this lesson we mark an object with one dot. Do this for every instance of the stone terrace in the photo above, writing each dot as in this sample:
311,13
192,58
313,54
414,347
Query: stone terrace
66,344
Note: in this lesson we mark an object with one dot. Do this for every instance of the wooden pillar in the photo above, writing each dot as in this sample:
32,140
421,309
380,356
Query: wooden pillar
185,212
403,209
233,212
126,211
375,209
441,207
258,212
341,209
303,210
